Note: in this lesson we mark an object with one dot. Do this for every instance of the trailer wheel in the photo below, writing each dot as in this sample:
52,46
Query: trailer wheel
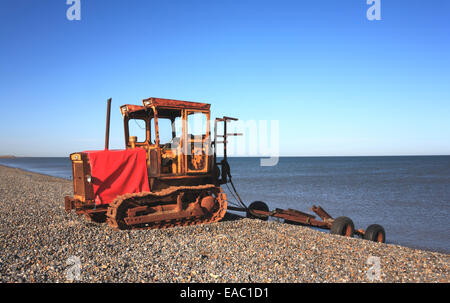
343,226
375,233
257,205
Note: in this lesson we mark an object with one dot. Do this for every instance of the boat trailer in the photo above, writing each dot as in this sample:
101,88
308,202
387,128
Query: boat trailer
340,226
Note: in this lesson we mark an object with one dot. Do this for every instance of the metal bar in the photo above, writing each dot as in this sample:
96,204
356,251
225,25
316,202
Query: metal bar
296,216
305,220
215,142
108,114
360,232
232,134
225,141
297,212
321,213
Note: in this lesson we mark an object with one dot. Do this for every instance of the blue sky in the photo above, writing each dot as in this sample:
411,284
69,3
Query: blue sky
339,84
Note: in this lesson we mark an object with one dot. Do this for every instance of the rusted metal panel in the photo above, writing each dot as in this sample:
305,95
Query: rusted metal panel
154,163
160,102
82,189
131,108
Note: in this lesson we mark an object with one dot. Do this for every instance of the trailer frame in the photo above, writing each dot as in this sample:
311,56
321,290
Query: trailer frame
326,221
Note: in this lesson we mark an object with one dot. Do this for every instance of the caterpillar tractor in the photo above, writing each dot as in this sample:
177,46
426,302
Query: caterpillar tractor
166,176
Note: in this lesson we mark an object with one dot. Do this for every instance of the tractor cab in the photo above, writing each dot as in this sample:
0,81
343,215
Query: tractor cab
175,134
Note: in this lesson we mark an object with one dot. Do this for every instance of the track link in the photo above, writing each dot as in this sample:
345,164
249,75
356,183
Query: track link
152,202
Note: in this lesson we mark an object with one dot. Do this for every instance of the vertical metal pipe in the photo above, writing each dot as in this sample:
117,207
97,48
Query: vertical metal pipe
225,135
215,141
108,114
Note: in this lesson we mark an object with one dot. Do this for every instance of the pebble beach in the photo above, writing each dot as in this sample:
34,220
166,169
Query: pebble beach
39,241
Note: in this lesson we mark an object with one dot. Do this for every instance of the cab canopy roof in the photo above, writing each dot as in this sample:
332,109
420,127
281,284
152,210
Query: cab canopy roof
163,103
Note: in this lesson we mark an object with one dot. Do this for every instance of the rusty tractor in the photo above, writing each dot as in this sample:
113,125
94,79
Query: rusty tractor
169,175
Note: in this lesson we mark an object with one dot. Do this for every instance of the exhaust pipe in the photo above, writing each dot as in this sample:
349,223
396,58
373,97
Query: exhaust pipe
108,113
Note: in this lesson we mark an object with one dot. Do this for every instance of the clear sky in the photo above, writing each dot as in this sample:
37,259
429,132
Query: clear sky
338,83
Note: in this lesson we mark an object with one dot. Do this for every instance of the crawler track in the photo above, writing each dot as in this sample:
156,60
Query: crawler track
174,206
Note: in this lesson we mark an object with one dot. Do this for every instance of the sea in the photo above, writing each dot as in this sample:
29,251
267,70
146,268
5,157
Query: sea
408,195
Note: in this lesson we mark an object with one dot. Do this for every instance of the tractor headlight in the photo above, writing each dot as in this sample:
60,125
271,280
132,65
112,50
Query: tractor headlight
75,157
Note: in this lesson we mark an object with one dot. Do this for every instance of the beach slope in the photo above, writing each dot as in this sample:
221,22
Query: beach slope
39,242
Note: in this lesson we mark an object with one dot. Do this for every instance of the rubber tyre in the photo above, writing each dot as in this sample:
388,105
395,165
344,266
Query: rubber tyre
343,226
257,205
376,233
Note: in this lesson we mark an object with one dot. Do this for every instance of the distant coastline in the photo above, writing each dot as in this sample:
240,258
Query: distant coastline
7,157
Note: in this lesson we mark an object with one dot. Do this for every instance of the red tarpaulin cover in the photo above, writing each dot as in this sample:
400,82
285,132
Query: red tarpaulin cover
117,172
